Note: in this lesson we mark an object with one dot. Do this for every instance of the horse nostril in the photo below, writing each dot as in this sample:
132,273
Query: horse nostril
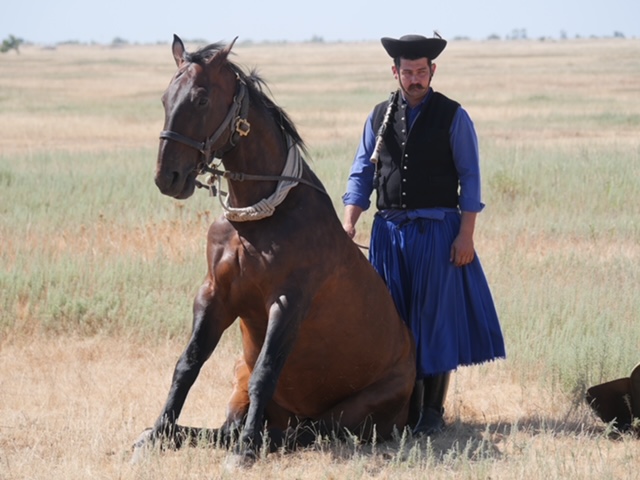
166,180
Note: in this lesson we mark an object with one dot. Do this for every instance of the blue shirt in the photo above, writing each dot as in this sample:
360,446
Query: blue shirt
464,145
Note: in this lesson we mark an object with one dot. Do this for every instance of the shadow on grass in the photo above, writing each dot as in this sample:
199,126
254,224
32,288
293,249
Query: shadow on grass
462,441
473,441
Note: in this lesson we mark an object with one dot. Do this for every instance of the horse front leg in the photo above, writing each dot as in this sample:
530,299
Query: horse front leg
209,321
285,316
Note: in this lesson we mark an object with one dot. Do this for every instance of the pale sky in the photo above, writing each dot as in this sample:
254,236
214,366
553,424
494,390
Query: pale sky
152,21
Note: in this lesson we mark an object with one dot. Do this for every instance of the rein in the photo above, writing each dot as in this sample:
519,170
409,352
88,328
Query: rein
241,177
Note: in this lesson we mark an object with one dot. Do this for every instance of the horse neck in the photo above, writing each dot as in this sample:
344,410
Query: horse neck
262,152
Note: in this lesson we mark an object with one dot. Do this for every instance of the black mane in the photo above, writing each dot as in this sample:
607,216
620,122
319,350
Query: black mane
256,86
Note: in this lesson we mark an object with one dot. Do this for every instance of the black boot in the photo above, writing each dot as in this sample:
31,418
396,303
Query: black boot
415,404
431,419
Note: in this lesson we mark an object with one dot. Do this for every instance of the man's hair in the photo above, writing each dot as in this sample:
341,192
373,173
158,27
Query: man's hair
396,61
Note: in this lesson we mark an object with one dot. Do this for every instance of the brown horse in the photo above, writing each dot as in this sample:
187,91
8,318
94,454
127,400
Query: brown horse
322,341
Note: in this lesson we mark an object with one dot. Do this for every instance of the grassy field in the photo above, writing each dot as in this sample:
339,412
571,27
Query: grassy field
98,269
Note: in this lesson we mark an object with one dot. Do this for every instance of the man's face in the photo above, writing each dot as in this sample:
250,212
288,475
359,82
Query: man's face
415,77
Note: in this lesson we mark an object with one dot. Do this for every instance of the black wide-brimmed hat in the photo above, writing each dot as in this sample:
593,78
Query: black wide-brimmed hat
618,401
414,46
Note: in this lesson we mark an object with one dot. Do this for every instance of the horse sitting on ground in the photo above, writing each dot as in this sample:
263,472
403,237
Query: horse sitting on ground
323,344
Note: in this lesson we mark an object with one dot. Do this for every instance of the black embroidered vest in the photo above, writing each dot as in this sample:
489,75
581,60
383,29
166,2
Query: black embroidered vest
415,168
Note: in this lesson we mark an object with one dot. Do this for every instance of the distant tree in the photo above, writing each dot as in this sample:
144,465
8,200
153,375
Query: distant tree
119,42
617,34
518,34
197,41
493,36
11,43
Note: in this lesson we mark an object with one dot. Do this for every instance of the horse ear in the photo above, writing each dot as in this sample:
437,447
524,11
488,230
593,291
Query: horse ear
178,50
225,52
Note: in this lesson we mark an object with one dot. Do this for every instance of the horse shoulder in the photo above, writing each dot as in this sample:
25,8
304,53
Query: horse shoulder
222,253
234,269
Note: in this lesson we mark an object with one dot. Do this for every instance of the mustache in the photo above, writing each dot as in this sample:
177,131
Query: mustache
416,86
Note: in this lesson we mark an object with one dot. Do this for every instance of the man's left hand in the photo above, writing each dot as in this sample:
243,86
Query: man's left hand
462,251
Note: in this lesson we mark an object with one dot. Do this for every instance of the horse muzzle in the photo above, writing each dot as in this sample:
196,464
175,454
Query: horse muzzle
176,184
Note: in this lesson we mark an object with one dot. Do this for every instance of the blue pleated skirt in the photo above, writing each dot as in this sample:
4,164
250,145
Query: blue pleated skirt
449,309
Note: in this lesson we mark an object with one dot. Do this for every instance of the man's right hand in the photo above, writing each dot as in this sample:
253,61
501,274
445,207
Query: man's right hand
351,215
350,229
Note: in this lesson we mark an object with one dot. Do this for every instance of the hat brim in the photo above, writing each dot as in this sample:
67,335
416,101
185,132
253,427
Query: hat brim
634,390
617,400
414,48
610,402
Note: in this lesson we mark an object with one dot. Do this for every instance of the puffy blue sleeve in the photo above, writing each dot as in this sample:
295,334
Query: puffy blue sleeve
360,182
466,156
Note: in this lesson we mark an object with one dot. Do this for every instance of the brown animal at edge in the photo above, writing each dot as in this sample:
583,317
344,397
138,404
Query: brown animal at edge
323,345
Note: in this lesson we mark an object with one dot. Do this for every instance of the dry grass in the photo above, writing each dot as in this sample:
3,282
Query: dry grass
71,407
558,124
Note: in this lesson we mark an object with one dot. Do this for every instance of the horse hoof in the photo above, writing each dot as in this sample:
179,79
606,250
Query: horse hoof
235,461
142,446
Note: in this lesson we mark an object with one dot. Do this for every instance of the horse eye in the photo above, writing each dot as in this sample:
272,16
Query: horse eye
202,101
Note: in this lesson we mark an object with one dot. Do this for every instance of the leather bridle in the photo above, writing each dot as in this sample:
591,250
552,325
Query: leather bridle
236,121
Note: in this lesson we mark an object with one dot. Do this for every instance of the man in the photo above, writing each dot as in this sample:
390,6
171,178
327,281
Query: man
424,167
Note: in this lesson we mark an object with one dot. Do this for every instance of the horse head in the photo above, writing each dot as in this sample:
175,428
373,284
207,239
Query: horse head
196,104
